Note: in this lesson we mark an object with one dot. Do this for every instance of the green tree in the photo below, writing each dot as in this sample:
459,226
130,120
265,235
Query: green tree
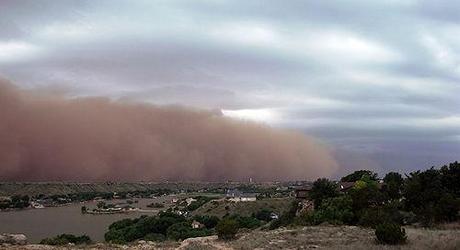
450,176
357,175
365,194
227,229
337,210
321,190
393,185
430,196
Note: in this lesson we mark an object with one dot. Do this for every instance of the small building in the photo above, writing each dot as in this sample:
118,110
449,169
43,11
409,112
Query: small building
237,196
345,186
302,192
197,225
190,200
233,193
244,197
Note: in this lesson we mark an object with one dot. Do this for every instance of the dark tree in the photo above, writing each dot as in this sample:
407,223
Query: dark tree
227,229
321,190
393,185
264,214
431,196
357,175
451,178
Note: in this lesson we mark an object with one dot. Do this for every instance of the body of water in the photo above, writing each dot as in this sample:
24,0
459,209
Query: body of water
37,224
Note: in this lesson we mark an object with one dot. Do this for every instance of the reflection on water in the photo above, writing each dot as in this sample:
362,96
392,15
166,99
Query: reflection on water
37,224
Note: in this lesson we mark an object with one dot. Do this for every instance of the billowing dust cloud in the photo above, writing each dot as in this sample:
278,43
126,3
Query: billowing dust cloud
45,137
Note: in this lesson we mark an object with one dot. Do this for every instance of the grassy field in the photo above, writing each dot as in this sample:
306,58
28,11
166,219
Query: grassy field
221,207
319,237
346,237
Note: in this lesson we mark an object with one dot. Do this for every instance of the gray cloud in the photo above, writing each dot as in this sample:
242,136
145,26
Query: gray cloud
363,76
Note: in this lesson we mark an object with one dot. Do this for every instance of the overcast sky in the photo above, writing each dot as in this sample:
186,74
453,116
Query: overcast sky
376,80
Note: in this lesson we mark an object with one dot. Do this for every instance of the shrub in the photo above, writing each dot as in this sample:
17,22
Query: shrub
121,224
65,239
184,230
115,236
285,218
227,229
371,217
246,221
208,221
390,233
263,214
336,210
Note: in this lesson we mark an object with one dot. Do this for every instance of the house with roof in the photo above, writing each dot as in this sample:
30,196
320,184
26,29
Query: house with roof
345,186
302,192
197,225
236,196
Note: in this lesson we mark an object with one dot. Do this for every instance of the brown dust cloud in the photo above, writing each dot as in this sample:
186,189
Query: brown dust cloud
49,137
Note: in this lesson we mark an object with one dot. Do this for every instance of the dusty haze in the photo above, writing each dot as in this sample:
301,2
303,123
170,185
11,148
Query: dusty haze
49,137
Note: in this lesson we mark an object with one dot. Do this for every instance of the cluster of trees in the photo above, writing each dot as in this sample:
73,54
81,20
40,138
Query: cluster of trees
16,201
199,201
166,225
228,227
428,197
169,225
433,195
65,239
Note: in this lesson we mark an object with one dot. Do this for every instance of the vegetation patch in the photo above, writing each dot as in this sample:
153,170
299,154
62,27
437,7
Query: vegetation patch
65,239
227,229
390,233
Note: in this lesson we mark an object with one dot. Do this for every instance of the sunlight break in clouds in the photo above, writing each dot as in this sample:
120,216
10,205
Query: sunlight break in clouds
259,115
16,51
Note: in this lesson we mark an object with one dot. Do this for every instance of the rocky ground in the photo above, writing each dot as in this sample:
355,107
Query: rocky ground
320,237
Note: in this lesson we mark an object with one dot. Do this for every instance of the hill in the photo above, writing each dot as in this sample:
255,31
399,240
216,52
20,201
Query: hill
221,207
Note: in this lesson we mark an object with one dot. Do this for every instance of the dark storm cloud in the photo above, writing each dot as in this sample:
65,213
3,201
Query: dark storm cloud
48,137
359,74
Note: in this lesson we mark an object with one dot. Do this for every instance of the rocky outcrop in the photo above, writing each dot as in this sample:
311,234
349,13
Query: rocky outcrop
13,239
